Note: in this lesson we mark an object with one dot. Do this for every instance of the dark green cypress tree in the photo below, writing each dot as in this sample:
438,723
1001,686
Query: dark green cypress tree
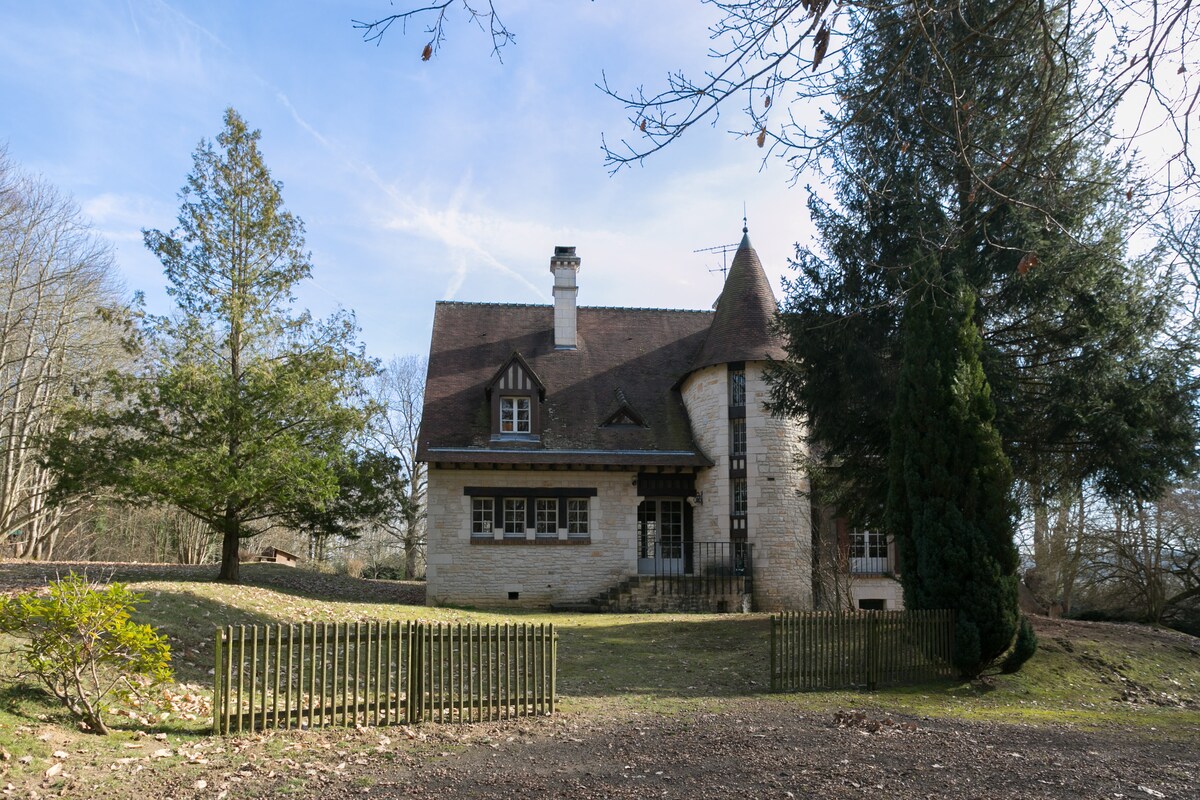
949,482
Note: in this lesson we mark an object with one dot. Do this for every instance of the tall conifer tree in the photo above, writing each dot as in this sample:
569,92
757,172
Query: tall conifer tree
244,410
973,306
949,493
1086,384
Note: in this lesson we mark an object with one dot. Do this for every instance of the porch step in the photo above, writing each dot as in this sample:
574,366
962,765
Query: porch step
644,593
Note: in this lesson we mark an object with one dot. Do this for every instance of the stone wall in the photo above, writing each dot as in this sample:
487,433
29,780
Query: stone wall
780,526
780,522
878,587
463,572
706,397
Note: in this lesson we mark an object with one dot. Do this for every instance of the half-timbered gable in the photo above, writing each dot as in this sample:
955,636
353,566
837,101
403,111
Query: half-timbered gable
515,394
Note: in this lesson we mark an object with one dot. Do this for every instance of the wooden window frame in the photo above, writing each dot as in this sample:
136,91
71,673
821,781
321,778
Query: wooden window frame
512,532
545,517
478,506
737,436
512,415
579,518
737,385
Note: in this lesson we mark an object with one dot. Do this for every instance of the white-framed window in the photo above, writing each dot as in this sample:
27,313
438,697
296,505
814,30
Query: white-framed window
483,517
515,415
514,517
577,518
737,436
868,552
545,517
737,388
740,498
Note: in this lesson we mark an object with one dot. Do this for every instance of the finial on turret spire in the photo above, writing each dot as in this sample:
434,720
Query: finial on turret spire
745,227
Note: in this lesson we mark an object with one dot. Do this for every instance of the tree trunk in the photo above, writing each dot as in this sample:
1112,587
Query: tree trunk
230,544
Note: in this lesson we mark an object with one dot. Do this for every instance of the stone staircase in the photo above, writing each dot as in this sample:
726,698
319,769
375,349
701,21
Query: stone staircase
646,593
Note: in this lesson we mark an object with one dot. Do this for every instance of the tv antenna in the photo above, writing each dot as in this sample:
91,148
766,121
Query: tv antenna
724,250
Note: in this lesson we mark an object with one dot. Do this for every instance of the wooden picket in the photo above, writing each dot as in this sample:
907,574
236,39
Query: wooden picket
819,650
380,673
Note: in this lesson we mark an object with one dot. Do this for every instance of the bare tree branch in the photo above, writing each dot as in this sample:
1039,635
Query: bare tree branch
485,18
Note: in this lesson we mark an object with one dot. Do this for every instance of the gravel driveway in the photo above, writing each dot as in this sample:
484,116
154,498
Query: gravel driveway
769,750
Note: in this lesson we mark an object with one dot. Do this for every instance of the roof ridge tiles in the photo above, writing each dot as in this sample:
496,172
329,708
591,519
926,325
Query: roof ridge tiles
488,304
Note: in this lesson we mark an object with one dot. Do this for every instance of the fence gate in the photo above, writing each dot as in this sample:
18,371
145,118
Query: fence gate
380,673
819,650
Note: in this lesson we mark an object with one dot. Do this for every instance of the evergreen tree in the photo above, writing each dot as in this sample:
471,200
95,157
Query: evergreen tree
1086,385
949,500
244,411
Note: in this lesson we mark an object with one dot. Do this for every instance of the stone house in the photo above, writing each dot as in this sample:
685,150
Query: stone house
620,456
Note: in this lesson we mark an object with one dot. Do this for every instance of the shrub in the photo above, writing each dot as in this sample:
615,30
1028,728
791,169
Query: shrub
81,644
1023,650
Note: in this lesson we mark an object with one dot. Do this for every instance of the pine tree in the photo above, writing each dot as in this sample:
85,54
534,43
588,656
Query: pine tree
244,411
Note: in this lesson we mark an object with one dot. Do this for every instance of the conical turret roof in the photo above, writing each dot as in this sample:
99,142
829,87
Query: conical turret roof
741,328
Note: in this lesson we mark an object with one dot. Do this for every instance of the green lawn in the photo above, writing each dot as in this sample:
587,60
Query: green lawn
1087,674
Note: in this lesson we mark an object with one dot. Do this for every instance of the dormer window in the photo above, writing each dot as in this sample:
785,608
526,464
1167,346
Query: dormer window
515,415
515,394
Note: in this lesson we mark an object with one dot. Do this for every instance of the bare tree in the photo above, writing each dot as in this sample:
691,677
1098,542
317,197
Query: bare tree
780,67
1146,558
399,391
58,304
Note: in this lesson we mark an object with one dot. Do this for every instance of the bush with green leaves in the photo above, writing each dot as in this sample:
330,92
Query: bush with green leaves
1023,650
80,643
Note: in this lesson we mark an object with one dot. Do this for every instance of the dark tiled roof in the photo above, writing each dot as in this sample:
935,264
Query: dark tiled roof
641,352
742,327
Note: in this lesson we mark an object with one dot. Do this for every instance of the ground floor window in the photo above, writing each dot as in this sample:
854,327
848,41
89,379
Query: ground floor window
514,517
866,604
577,518
546,517
483,517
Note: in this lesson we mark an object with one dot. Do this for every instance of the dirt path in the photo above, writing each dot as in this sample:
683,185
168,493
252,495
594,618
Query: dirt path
769,750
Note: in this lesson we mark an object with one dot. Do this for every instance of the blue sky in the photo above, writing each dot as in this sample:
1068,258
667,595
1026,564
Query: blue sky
417,181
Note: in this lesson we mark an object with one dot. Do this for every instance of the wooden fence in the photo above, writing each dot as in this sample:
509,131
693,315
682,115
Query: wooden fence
379,673
817,650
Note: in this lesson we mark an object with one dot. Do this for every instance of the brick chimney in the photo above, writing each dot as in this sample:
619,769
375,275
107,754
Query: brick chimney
565,265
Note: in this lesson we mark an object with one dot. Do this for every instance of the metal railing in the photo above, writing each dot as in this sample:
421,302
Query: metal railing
870,565
708,568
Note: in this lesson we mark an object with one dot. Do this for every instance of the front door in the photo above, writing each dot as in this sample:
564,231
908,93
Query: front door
663,537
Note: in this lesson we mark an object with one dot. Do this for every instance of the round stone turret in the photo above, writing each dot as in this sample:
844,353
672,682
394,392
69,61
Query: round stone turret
757,492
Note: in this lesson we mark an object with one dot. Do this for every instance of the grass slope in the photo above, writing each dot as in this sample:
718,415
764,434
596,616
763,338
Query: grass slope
610,666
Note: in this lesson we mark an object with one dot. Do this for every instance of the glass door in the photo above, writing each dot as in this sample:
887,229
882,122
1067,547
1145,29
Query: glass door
661,537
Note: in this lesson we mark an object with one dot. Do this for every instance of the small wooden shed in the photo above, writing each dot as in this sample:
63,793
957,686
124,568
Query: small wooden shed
274,555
